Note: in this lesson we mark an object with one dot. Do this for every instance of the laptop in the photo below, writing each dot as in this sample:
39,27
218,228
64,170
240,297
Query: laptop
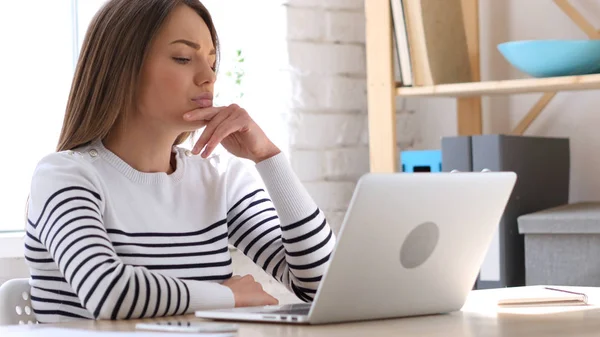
411,244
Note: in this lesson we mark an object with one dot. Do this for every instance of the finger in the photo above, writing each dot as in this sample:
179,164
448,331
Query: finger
235,277
226,128
270,300
202,114
210,129
261,299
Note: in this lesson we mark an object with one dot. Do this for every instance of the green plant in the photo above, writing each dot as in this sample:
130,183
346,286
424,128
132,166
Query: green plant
237,73
232,88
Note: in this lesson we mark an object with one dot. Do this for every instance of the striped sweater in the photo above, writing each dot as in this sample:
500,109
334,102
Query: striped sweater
105,241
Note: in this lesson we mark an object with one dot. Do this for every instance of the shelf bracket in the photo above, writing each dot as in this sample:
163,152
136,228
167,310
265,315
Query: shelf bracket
539,106
578,19
533,113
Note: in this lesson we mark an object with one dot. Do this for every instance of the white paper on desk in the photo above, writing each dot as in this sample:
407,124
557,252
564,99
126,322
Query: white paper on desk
41,331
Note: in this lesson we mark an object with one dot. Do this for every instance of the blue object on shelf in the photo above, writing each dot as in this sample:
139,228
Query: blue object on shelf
421,161
549,58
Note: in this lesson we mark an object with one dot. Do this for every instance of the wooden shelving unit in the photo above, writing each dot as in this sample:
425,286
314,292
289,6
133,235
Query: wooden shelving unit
522,86
383,90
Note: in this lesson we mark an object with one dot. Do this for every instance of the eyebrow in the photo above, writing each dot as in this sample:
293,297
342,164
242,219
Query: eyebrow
193,45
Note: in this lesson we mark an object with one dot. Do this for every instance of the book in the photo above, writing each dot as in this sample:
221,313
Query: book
438,42
401,43
545,296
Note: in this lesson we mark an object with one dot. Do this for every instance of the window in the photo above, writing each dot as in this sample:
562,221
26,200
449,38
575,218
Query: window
36,63
40,45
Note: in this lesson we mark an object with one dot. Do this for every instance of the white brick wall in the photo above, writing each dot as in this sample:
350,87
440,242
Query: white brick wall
340,164
308,91
406,129
335,218
330,92
346,164
324,131
323,58
327,104
312,31
347,93
308,164
328,122
345,26
331,196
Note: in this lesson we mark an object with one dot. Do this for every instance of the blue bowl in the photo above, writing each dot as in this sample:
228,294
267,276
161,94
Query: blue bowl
549,58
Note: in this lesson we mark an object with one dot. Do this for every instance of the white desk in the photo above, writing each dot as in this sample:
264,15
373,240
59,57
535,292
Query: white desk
479,317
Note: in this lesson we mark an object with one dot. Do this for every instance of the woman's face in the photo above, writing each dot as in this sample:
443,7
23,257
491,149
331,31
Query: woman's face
178,74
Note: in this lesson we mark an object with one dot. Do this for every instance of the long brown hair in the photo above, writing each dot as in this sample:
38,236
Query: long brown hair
104,86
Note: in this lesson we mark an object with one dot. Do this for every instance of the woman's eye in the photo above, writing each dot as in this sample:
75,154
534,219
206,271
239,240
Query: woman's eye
181,60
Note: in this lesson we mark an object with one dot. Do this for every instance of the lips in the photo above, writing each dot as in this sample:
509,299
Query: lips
204,100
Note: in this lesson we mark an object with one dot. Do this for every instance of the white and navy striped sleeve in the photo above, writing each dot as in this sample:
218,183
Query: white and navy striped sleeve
65,214
280,228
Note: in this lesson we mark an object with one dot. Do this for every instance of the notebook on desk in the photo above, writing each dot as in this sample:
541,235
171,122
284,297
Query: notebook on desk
545,296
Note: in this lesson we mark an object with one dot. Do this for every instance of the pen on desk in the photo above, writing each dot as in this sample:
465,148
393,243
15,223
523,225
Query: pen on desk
564,291
585,298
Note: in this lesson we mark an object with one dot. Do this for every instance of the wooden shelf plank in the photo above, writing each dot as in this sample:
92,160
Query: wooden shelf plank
521,86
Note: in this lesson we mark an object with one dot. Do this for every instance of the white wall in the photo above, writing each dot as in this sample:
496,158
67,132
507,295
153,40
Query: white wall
12,263
570,114
13,267
327,124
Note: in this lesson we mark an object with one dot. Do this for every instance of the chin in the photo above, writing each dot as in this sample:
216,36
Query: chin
192,126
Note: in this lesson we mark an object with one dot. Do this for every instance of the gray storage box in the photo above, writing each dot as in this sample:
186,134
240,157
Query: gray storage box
542,165
562,245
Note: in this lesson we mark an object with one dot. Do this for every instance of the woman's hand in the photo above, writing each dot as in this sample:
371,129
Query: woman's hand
232,127
248,293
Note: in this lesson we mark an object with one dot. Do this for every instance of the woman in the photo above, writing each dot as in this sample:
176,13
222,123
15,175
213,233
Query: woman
123,223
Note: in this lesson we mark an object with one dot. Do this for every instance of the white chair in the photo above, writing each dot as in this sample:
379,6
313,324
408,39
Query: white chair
15,303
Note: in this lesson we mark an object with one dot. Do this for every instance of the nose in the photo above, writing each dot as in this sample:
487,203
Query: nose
204,74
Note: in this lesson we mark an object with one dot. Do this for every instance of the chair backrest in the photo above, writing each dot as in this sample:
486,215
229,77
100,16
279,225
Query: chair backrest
15,303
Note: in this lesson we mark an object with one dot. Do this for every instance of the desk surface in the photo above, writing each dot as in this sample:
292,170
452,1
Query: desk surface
479,317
